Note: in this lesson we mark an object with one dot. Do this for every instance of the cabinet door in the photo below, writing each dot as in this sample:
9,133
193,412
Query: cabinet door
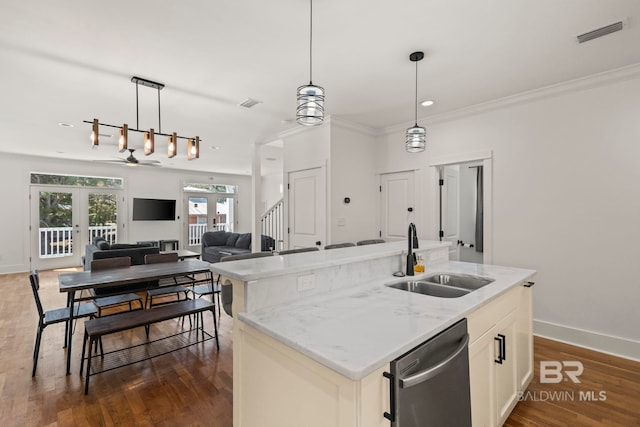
506,372
524,339
481,378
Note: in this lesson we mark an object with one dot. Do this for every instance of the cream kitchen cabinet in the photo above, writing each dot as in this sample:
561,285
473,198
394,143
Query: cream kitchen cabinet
500,356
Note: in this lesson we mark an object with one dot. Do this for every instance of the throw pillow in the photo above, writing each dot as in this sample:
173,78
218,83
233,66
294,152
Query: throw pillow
97,239
244,241
232,239
103,245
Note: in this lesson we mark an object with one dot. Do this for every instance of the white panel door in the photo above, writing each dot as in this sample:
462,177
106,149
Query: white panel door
307,208
451,209
396,205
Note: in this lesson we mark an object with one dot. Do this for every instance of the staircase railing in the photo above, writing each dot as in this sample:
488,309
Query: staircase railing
272,224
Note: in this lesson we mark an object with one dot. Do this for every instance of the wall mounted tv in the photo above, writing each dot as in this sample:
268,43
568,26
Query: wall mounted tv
154,210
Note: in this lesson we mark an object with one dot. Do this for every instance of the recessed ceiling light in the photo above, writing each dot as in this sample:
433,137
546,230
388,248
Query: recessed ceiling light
65,125
426,103
214,147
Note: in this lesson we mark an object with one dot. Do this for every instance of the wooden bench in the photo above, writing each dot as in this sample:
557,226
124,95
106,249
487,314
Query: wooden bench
96,328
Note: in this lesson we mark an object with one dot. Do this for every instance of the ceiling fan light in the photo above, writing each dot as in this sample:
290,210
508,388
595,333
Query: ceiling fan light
95,134
124,138
171,147
194,148
310,110
416,139
149,143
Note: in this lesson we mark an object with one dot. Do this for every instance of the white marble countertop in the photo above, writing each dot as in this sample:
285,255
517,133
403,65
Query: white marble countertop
259,268
358,330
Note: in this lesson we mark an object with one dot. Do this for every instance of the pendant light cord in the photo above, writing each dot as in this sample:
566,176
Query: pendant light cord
311,43
415,106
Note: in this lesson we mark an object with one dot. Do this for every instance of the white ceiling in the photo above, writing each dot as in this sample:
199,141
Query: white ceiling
73,60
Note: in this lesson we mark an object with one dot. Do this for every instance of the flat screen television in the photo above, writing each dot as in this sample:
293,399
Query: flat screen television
154,210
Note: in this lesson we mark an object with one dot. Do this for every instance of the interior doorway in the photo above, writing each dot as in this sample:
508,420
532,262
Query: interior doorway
464,195
307,213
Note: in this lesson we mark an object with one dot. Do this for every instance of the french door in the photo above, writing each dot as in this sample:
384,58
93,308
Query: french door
207,212
64,220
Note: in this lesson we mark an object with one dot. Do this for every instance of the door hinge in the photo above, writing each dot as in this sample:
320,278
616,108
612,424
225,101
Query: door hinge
288,187
441,234
288,230
441,182
381,188
380,233
29,228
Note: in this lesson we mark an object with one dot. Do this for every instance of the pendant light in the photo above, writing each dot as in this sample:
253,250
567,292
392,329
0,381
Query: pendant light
149,142
416,137
310,110
95,135
123,141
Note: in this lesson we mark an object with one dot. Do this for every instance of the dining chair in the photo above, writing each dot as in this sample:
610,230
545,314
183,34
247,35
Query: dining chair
298,250
226,291
114,300
369,242
205,289
339,245
57,315
167,287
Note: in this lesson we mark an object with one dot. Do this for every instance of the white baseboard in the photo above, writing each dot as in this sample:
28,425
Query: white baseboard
592,340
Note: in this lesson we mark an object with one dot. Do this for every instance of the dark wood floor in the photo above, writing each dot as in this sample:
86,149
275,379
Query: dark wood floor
193,386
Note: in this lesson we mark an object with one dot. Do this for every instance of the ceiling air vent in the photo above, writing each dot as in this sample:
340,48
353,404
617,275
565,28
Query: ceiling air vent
612,28
250,102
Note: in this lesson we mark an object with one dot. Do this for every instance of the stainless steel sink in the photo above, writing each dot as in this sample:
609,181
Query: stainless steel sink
461,281
432,289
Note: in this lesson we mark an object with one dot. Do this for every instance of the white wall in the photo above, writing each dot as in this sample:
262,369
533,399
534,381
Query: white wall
353,175
566,202
272,190
139,182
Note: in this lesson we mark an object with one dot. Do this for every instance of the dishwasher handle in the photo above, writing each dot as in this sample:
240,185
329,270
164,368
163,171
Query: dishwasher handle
435,369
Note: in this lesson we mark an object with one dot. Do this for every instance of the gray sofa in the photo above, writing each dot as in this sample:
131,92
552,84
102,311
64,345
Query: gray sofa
101,249
217,244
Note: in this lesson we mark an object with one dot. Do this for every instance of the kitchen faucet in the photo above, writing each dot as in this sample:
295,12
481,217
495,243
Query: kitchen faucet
412,238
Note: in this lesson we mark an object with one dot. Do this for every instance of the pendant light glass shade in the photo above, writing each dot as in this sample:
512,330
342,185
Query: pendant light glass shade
123,141
416,139
416,136
194,148
310,111
95,135
149,143
171,147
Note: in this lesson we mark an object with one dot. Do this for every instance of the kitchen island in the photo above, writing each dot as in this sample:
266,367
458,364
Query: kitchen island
313,332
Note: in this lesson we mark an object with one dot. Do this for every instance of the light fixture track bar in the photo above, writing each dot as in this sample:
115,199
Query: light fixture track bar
141,130
148,83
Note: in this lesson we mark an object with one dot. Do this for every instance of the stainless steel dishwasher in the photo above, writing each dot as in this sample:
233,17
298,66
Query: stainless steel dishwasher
430,384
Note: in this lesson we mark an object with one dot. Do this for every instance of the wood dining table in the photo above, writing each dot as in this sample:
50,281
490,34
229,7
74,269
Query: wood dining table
121,277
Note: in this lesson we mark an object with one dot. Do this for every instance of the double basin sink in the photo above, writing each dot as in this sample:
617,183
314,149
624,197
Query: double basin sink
443,285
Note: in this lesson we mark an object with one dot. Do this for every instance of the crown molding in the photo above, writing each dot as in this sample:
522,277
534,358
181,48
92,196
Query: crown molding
629,72
329,120
356,127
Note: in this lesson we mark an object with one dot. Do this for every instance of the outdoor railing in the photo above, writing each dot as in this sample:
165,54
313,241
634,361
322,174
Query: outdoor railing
55,242
58,241
109,232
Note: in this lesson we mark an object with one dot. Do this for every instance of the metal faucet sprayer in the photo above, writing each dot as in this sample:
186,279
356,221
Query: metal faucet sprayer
412,238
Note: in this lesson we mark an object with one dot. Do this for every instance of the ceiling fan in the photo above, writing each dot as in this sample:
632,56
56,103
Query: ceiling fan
131,160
